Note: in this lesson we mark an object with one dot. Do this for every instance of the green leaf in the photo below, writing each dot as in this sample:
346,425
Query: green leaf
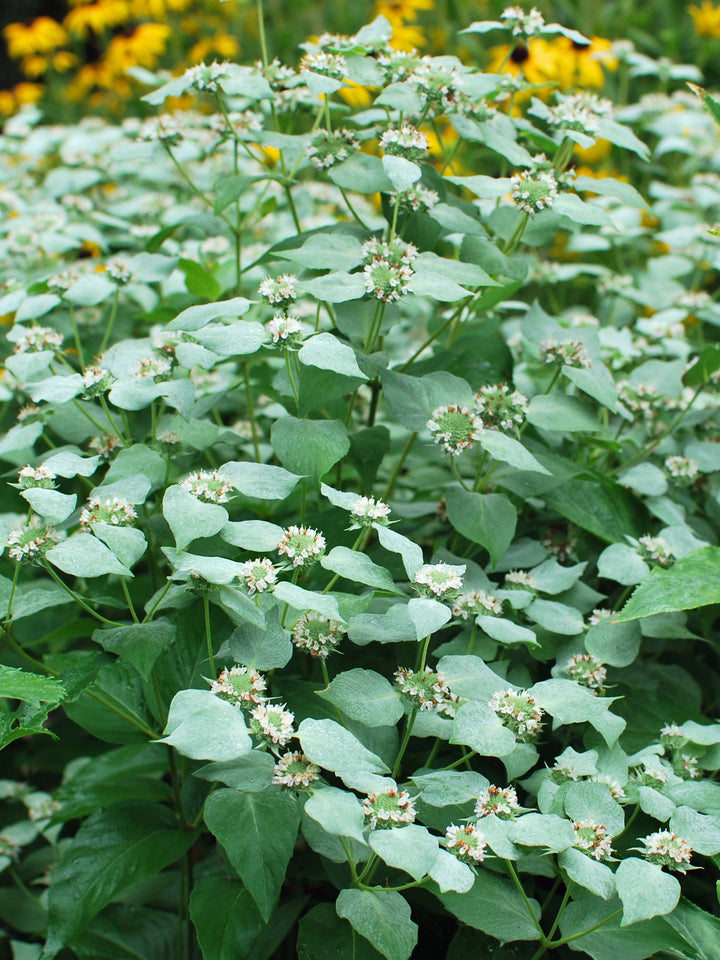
256,535
225,918
199,281
413,399
358,568
610,187
328,353
708,362
83,555
31,687
560,413
555,617
410,848
478,726
309,447
194,318
700,930
615,643
138,643
503,447
428,615
127,543
593,801
322,251
127,932
302,599
252,771
568,702
543,830
90,290
383,918
258,832
691,582
260,480
496,907
263,649
365,696
325,936
622,564
401,172
588,873
204,727
361,172
190,518
334,748
701,832
488,519
335,287
411,553
645,890
600,506
113,849
337,811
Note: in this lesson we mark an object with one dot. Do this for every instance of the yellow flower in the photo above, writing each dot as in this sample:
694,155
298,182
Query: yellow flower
400,11
97,17
142,48
706,19
355,95
594,154
7,103
221,45
28,92
407,38
42,36
557,61
63,61
33,67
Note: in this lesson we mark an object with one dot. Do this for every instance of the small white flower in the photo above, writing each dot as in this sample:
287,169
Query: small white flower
284,330
499,408
656,549
477,604
523,24
427,690
406,141
592,839
279,290
274,722
533,191
30,543
601,615
616,789
502,802
104,445
389,808
416,199
153,368
241,686
207,76
34,339
41,476
466,842
301,544
587,670
520,578
455,428
328,148
519,712
328,64
438,580
258,574
682,467
369,510
295,770
317,635
115,511
668,850
567,353
208,485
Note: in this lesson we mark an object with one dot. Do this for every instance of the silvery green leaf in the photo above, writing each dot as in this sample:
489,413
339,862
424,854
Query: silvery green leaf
255,535
301,599
127,543
588,873
505,631
645,890
470,677
35,306
194,318
189,518
83,555
134,488
53,506
622,564
319,84
593,801
545,830
56,389
334,748
556,617
410,848
337,811
19,439
428,615
412,555
216,570
68,464
478,726
204,727
359,568
260,480
328,353
337,498
90,290
394,626
402,173
449,873
701,832
264,647
365,696
503,447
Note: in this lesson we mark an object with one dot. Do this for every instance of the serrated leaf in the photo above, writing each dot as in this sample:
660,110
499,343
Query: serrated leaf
691,582
30,687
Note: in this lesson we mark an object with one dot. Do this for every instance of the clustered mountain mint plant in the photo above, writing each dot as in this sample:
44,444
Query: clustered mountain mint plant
360,518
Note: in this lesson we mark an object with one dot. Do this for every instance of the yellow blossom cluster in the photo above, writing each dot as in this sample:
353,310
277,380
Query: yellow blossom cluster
127,33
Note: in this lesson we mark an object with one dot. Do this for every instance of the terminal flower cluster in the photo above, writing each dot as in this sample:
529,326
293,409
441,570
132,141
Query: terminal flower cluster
388,268
501,802
519,712
592,839
293,769
668,850
467,842
388,808
427,690
116,511
499,407
588,671
301,545
317,635
258,575
439,580
208,486
477,603
455,428
32,477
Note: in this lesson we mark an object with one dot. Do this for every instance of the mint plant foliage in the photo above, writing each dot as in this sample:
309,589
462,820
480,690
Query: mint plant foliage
359,529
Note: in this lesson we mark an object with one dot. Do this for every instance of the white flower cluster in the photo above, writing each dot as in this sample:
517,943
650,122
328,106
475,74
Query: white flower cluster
330,147
467,842
405,141
587,670
668,850
438,580
567,353
388,268
534,190
208,485
601,615
273,722
477,603
682,468
388,808
207,76
580,112
436,84
97,380
240,686
520,578
301,545
258,574
42,476
34,339
456,428
30,543
416,199
368,510
328,64
523,24
519,712
153,368
592,839
656,549
294,770
284,330
116,511
499,407
427,690
501,802
280,291
317,635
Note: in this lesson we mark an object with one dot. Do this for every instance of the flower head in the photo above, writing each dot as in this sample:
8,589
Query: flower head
30,543
592,839
656,549
388,808
406,141
519,712
272,722
466,842
502,802
438,580
587,670
301,544
279,291
317,635
367,510
601,615
328,148
153,368
667,849
519,578
475,604
564,353
682,468
259,574
427,690
436,84
207,76
523,24
455,428
388,268
533,191
293,769
284,331
115,511
208,486
41,476
616,789
97,381
240,686
105,444
328,64
499,407
36,338
416,199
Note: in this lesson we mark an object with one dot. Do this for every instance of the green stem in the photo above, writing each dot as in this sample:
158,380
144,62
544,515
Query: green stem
515,239
353,211
208,634
128,599
561,908
389,489
261,32
76,336
409,724
16,574
111,321
104,404
456,473
88,416
463,759
251,411
148,616
528,905
577,936
79,600
291,378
